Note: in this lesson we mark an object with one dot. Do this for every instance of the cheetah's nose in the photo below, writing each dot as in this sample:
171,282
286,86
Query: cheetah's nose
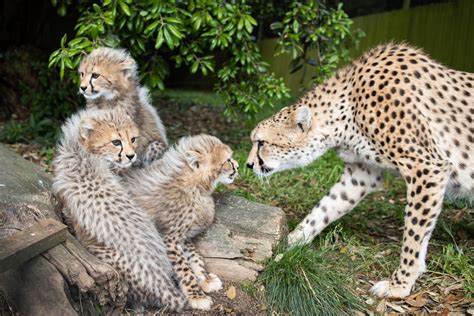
84,88
250,165
130,157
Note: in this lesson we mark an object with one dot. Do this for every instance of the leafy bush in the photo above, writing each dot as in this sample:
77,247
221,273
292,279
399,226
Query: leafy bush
208,36
188,34
316,36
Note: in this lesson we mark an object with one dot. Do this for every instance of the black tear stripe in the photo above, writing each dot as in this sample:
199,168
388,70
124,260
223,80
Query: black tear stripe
260,160
234,171
121,146
92,86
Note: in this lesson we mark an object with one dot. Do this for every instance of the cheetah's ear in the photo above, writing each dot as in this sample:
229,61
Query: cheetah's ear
129,68
86,126
193,158
302,118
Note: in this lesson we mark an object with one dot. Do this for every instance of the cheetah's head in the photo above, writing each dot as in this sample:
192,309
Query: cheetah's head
286,140
106,72
207,160
111,135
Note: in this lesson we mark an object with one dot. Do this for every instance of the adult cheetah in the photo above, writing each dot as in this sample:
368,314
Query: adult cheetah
395,108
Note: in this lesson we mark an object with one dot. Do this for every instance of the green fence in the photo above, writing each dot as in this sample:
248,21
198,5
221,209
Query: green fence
445,31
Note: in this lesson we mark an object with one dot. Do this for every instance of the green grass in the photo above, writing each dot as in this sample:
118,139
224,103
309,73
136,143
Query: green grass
300,283
191,97
455,262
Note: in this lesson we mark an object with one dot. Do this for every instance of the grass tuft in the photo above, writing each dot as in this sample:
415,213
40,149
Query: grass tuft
301,283
454,262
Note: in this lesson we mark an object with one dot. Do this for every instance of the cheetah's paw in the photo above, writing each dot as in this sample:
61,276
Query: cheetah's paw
211,284
296,237
203,303
384,289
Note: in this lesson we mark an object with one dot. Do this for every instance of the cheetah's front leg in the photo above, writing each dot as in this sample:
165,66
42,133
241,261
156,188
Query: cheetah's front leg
208,282
153,152
188,282
425,191
357,181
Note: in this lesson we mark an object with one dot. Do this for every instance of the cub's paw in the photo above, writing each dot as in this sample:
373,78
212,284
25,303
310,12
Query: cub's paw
203,303
211,284
385,289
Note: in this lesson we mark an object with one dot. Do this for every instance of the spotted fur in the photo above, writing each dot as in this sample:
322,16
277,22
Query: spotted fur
392,108
102,214
176,190
109,79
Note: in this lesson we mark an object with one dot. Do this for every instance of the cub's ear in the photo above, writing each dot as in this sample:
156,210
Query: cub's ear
302,118
129,68
193,158
86,126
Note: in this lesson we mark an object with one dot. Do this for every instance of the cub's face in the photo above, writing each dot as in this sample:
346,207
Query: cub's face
104,77
223,165
284,141
112,142
214,164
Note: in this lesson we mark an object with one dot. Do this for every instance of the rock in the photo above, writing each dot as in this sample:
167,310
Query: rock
243,236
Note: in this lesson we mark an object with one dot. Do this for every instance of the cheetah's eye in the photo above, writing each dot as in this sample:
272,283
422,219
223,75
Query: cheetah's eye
133,139
117,142
260,143
82,74
95,75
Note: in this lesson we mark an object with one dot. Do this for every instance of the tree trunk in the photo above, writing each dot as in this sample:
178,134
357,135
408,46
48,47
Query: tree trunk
66,279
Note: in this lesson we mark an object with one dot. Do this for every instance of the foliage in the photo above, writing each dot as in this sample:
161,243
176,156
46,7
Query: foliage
300,282
192,34
48,100
316,36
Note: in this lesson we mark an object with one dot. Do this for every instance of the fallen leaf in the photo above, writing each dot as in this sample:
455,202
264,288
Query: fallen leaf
278,257
419,302
452,288
381,306
231,292
396,307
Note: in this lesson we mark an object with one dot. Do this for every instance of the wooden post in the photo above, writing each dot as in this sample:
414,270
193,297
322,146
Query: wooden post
31,242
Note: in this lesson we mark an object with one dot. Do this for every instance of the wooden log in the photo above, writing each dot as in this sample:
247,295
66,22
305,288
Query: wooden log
30,242
81,281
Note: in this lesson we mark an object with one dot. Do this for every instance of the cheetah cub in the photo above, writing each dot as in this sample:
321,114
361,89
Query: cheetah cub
176,190
104,217
109,79
392,108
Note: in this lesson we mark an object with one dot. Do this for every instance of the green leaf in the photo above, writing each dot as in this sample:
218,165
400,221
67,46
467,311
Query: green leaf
194,67
63,40
251,19
175,31
168,37
61,69
240,24
125,8
296,26
96,8
151,27
159,39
